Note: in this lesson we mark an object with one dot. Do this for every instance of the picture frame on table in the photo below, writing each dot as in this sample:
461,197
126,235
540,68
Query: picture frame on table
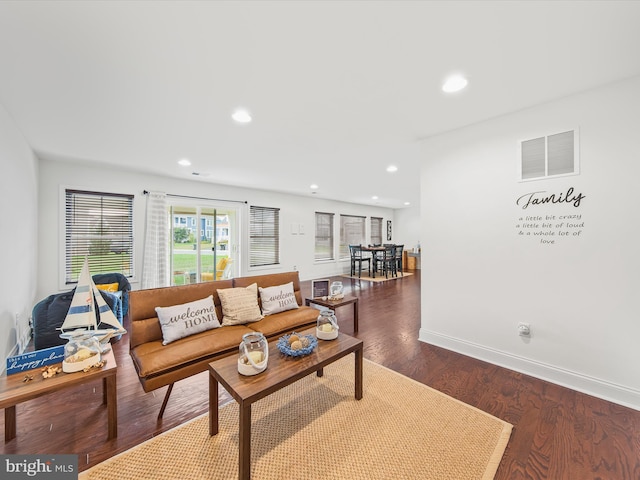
320,288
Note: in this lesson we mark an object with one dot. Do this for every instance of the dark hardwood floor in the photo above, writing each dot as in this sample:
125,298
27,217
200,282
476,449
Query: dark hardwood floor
558,433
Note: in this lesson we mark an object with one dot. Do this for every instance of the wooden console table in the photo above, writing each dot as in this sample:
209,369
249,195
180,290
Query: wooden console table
14,390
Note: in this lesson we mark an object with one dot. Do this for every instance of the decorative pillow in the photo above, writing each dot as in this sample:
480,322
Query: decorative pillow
240,305
108,287
278,299
180,321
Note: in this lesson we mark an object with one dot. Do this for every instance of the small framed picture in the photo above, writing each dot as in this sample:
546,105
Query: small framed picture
389,236
320,288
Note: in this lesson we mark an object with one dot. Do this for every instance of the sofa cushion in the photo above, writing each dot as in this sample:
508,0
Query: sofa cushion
277,299
285,322
240,305
153,358
179,321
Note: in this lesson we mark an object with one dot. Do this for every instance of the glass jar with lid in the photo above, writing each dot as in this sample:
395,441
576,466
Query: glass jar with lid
327,325
253,354
336,291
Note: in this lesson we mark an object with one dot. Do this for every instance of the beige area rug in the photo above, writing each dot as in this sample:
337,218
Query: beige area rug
378,278
315,429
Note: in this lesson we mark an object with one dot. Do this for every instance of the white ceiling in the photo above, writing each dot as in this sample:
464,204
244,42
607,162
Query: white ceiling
337,90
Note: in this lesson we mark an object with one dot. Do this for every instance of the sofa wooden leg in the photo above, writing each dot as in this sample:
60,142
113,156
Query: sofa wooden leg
164,402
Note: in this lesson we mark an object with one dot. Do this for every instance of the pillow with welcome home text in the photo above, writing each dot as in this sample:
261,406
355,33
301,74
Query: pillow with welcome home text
278,299
180,321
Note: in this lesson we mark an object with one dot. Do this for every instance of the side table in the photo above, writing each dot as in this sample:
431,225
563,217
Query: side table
333,304
13,390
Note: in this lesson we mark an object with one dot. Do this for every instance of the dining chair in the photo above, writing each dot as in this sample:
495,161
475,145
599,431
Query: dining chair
358,257
387,261
399,260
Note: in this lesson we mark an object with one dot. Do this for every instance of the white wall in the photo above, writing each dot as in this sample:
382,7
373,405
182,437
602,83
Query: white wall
295,249
480,278
18,240
406,229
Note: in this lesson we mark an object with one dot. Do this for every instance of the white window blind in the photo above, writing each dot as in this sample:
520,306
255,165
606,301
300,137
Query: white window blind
376,230
324,236
98,226
351,233
264,236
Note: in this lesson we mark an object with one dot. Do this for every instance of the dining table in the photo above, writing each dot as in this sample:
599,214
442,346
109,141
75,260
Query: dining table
375,250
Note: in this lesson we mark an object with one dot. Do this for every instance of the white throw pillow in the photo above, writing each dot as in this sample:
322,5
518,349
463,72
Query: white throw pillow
180,321
240,305
278,299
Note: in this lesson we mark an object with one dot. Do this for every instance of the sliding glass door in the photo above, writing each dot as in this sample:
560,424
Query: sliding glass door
204,242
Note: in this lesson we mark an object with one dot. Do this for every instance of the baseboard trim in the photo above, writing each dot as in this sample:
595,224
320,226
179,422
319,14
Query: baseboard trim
14,351
596,387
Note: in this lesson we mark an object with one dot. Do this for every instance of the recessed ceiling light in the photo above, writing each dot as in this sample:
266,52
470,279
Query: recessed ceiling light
407,203
185,162
454,83
313,186
392,168
241,116
375,197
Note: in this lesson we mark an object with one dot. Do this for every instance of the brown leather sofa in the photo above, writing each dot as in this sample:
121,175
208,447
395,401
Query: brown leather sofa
159,365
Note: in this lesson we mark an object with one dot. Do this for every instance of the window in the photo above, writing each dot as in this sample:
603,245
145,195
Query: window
98,226
264,236
351,233
550,156
203,254
324,236
376,230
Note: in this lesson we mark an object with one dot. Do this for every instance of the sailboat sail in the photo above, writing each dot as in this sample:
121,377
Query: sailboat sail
106,314
82,313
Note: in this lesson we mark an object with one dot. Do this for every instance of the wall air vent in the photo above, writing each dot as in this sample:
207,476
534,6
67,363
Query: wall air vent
549,156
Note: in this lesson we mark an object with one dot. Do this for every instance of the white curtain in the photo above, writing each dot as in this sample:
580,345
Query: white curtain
155,263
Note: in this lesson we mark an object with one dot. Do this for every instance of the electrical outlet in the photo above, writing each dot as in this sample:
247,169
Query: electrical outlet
524,329
295,268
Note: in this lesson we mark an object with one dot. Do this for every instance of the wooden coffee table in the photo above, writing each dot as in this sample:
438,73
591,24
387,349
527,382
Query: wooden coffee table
13,390
281,371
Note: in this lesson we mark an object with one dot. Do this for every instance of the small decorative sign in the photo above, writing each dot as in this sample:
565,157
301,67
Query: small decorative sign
320,288
37,359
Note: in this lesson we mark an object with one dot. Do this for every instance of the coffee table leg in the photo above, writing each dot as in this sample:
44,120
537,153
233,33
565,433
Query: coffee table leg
213,406
9,423
359,354
244,453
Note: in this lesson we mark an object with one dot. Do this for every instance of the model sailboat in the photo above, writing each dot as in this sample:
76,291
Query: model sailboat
82,312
